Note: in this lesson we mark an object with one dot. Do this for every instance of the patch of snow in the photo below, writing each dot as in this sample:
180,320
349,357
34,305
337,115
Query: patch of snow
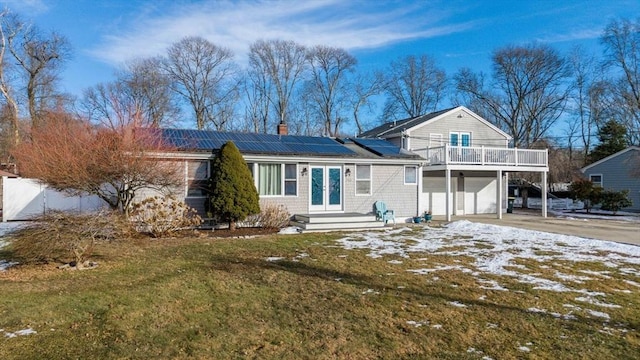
458,304
631,282
24,332
415,323
394,262
491,285
4,265
598,314
502,248
597,302
9,226
524,348
274,258
573,278
5,228
436,326
371,291
290,230
536,310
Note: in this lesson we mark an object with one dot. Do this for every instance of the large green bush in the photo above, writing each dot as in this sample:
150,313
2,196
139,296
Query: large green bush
583,189
232,194
615,200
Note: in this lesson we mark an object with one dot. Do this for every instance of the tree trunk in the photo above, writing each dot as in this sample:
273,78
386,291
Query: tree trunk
232,225
525,197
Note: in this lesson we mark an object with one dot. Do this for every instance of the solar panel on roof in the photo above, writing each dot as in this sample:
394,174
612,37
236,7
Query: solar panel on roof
378,146
188,139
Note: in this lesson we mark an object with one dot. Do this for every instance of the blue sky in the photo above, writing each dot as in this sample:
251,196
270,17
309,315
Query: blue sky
457,34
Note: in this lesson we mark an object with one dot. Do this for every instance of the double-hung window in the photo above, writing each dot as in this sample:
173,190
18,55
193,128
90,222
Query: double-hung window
410,175
197,176
277,179
363,179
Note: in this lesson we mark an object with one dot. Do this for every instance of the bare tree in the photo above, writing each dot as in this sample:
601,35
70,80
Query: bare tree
414,86
11,112
40,57
588,106
150,88
204,74
257,106
527,93
621,40
282,63
72,155
328,84
113,106
363,88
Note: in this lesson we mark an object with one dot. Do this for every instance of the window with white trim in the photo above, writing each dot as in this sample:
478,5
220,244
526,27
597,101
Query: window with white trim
410,175
460,139
435,140
363,179
277,179
290,179
596,179
197,176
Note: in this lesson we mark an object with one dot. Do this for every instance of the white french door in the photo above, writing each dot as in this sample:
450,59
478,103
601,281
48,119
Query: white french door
325,184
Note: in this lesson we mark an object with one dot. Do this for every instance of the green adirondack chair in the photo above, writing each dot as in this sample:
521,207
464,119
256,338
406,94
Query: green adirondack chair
383,214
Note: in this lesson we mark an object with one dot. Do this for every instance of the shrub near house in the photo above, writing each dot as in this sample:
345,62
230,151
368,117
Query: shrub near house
232,194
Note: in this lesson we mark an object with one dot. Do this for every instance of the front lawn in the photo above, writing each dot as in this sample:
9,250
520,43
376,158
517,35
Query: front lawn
464,292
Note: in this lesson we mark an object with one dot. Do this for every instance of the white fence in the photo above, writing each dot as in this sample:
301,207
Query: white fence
552,204
25,198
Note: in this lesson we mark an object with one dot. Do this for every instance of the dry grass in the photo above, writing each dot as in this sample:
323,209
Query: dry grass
222,298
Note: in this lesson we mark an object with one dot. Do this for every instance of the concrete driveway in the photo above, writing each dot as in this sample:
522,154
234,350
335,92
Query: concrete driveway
627,232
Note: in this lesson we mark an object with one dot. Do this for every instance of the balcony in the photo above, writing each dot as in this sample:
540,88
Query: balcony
484,156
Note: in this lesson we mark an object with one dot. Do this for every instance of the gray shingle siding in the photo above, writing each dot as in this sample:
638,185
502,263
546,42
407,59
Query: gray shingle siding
616,175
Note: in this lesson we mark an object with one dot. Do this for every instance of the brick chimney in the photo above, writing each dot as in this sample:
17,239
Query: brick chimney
282,129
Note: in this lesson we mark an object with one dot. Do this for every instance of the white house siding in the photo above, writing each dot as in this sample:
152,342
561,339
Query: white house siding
387,184
481,134
616,175
295,204
475,195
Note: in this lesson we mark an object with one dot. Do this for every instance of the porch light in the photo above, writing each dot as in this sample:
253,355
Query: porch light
347,172
304,171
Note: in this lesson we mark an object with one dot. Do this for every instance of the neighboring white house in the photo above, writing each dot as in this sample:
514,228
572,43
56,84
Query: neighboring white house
620,171
466,158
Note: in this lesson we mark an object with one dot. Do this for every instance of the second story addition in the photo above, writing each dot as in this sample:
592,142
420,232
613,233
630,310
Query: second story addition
457,136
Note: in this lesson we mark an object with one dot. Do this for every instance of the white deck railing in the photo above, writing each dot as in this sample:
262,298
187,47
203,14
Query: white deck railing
480,155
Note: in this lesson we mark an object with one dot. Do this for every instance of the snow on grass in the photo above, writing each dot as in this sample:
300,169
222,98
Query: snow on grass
501,251
274,258
506,245
290,230
19,333
5,228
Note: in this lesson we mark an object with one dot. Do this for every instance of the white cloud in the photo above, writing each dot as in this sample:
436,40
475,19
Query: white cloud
31,6
581,34
235,25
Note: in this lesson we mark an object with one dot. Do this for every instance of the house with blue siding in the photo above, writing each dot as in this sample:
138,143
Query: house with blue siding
620,171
